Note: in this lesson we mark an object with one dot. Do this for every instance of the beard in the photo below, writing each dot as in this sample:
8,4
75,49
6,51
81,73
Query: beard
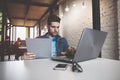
53,34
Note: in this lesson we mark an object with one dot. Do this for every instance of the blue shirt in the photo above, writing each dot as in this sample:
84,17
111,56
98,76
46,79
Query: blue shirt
53,47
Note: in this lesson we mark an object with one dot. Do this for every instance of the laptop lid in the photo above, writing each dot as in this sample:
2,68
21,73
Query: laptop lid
41,47
90,44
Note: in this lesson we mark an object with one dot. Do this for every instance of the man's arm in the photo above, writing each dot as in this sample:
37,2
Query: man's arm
63,46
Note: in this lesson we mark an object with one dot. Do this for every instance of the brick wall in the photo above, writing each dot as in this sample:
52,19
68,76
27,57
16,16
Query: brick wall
118,12
108,9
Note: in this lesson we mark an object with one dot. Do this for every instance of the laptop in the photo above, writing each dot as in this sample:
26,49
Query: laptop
89,46
41,47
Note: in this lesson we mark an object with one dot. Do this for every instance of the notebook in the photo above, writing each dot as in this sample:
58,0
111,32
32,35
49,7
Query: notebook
89,46
41,47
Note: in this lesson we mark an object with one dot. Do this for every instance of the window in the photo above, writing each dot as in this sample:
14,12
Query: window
21,32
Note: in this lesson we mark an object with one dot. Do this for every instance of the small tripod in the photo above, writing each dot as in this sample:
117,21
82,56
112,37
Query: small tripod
76,67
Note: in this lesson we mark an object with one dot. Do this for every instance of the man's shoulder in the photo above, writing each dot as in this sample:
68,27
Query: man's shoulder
43,36
61,38
40,37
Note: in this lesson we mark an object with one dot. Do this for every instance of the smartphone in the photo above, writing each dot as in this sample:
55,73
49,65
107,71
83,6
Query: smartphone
60,67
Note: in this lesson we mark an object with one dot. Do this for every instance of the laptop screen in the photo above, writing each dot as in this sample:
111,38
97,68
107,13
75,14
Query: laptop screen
90,45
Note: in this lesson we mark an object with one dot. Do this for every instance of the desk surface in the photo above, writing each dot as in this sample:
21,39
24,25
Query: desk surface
42,69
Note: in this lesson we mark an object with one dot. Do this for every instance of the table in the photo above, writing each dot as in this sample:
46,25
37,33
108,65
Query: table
42,69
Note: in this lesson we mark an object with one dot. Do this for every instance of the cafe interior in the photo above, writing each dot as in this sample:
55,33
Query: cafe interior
21,19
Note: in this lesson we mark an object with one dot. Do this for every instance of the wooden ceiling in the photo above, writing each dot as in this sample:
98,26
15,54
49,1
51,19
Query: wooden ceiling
28,12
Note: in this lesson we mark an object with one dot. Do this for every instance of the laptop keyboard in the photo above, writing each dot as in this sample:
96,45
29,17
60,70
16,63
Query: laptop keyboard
62,59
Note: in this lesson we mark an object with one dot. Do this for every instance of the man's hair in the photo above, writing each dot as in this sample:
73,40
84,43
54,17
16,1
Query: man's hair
53,18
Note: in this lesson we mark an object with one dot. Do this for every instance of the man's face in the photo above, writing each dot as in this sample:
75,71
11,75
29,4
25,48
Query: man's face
54,28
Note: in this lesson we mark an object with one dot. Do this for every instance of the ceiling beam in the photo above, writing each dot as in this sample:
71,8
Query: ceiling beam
22,26
51,7
23,18
26,2
48,10
40,4
27,9
42,17
54,4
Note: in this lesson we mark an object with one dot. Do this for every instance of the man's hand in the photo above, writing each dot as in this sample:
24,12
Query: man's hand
29,56
70,52
63,53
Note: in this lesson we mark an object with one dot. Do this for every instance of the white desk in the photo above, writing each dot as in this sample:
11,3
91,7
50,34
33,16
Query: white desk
42,69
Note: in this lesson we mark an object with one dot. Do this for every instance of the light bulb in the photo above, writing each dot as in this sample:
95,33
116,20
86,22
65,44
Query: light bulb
74,5
61,15
66,9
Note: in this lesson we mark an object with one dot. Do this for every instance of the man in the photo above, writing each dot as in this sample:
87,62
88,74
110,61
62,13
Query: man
59,44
